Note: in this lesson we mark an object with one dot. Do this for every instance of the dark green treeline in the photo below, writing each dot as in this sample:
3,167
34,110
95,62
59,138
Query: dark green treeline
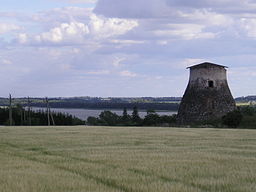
20,116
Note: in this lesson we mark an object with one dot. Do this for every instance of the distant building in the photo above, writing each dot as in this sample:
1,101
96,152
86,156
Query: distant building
207,96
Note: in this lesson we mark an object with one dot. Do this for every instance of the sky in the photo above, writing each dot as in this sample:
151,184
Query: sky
119,48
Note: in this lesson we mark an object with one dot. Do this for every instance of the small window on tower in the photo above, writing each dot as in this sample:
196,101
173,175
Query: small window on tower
210,84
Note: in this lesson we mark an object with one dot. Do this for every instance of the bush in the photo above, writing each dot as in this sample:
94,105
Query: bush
108,118
247,110
171,120
232,119
152,119
92,121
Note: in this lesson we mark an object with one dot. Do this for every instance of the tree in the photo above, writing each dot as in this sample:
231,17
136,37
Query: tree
125,114
109,118
151,111
125,119
247,110
168,119
92,121
20,112
151,119
37,117
232,119
135,116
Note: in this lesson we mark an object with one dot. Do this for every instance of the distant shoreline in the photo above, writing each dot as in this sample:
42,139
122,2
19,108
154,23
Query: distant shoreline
105,109
85,113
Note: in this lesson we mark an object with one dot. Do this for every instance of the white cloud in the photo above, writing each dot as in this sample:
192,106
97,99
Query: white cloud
94,28
101,27
100,72
65,32
168,8
206,17
249,26
22,38
6,61
79,1
7,27
184,19
208,3
185,31
146,40
129,42
127,73
161,21
82,1
117,61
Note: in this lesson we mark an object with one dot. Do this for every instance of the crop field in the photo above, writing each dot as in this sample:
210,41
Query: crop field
131,159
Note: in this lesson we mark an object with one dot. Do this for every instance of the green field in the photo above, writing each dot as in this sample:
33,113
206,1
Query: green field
88,159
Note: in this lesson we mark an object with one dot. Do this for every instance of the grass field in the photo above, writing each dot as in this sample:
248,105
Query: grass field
88,159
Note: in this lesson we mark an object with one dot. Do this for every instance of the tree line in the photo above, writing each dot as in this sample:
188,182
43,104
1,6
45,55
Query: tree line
21,116
108,118
243,117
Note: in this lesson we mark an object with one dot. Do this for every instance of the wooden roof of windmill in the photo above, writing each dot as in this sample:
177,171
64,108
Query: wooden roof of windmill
206,65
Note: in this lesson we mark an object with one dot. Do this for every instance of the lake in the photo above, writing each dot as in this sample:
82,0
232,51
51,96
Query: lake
85,113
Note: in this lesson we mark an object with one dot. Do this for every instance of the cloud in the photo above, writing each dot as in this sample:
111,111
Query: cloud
79,1
22,38
7,27
160,19
207,3
143,46
101,72
94,28
5,61
65,32
143,9
133,8
82,1
127,73
168,8
185,31
184,19
101,27
206,17
57,16
118,61
249,26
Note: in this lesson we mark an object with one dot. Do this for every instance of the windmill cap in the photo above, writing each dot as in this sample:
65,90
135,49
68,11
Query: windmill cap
205,65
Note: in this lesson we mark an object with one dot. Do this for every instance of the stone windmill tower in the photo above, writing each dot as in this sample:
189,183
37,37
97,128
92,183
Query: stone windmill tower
207,95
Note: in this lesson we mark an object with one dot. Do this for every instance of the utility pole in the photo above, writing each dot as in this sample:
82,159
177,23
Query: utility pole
24,115
21,115
29,112
53,122
10,109
48,111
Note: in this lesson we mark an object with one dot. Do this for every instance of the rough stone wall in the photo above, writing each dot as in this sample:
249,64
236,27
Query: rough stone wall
201,102
209,73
